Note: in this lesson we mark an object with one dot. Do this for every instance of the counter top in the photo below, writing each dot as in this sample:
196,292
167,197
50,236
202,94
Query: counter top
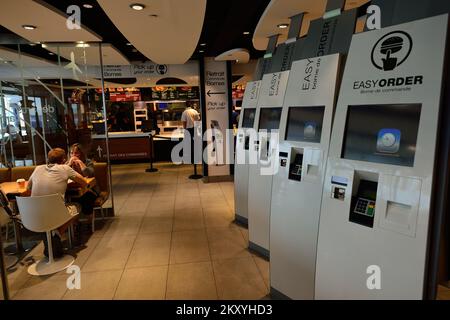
125,134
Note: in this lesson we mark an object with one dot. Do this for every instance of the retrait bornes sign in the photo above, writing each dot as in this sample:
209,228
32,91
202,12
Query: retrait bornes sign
217,117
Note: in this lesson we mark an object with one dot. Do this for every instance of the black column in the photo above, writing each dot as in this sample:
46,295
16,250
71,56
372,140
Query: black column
201,64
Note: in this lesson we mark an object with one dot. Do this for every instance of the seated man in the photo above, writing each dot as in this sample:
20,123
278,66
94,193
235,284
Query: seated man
51,179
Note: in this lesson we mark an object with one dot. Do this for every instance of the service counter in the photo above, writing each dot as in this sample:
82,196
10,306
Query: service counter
134,146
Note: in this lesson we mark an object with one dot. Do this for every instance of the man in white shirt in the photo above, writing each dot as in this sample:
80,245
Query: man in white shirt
52,178
188,118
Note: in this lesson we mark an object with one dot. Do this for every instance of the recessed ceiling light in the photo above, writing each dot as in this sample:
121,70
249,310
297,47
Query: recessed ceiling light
128,44
29,27
203,44
51,53
246,32
283,25
201,51
88,6
32,44
137,6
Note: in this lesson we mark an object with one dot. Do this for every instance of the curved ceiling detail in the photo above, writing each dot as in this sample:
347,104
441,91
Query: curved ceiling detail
50,23
239,55
169,38
89,54
279,12
7,55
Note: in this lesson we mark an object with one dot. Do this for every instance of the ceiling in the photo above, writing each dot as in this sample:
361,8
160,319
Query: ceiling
222,30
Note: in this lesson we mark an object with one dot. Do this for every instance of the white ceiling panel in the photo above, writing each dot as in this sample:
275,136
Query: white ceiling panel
50,24
169,38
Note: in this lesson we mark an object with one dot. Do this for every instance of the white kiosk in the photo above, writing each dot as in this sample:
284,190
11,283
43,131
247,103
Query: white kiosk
241,167
297,187
245,128
264,147
375,212
268,115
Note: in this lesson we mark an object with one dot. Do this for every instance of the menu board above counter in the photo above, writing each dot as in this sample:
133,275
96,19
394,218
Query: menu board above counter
175,93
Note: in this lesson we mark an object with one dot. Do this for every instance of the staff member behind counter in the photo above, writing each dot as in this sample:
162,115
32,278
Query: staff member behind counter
188,118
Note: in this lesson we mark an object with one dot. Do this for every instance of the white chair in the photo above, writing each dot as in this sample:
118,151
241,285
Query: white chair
44,214
4,220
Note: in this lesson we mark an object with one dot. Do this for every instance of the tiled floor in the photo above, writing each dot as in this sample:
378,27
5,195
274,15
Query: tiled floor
172,238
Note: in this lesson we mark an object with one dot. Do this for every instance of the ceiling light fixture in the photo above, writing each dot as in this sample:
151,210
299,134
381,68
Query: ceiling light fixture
128,44
246,33
137,6
201,51
283,25
28,27
88,6
51,53
203,44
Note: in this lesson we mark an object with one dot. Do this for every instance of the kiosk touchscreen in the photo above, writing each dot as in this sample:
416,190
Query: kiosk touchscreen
297,186
241,168
377,192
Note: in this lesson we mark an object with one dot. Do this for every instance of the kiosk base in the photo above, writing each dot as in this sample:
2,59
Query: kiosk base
264,253
241,220
277,295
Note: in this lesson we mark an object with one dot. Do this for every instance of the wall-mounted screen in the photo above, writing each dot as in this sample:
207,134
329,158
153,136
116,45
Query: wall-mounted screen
382,133
248,117
269,118
304,124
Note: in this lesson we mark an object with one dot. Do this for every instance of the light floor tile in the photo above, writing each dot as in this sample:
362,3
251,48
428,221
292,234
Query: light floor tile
124,226
96,286
226,243
188,219
189,246
157,222
239,279
110,254
150,250
143,284
43,288
192,281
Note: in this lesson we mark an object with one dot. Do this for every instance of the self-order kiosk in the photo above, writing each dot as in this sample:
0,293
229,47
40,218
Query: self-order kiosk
377,191
264,147
241,167
305,131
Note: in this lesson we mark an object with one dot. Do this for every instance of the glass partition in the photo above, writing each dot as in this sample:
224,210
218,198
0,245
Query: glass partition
47,102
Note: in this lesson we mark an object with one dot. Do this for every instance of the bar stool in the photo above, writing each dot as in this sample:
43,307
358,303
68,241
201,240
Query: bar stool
45,214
